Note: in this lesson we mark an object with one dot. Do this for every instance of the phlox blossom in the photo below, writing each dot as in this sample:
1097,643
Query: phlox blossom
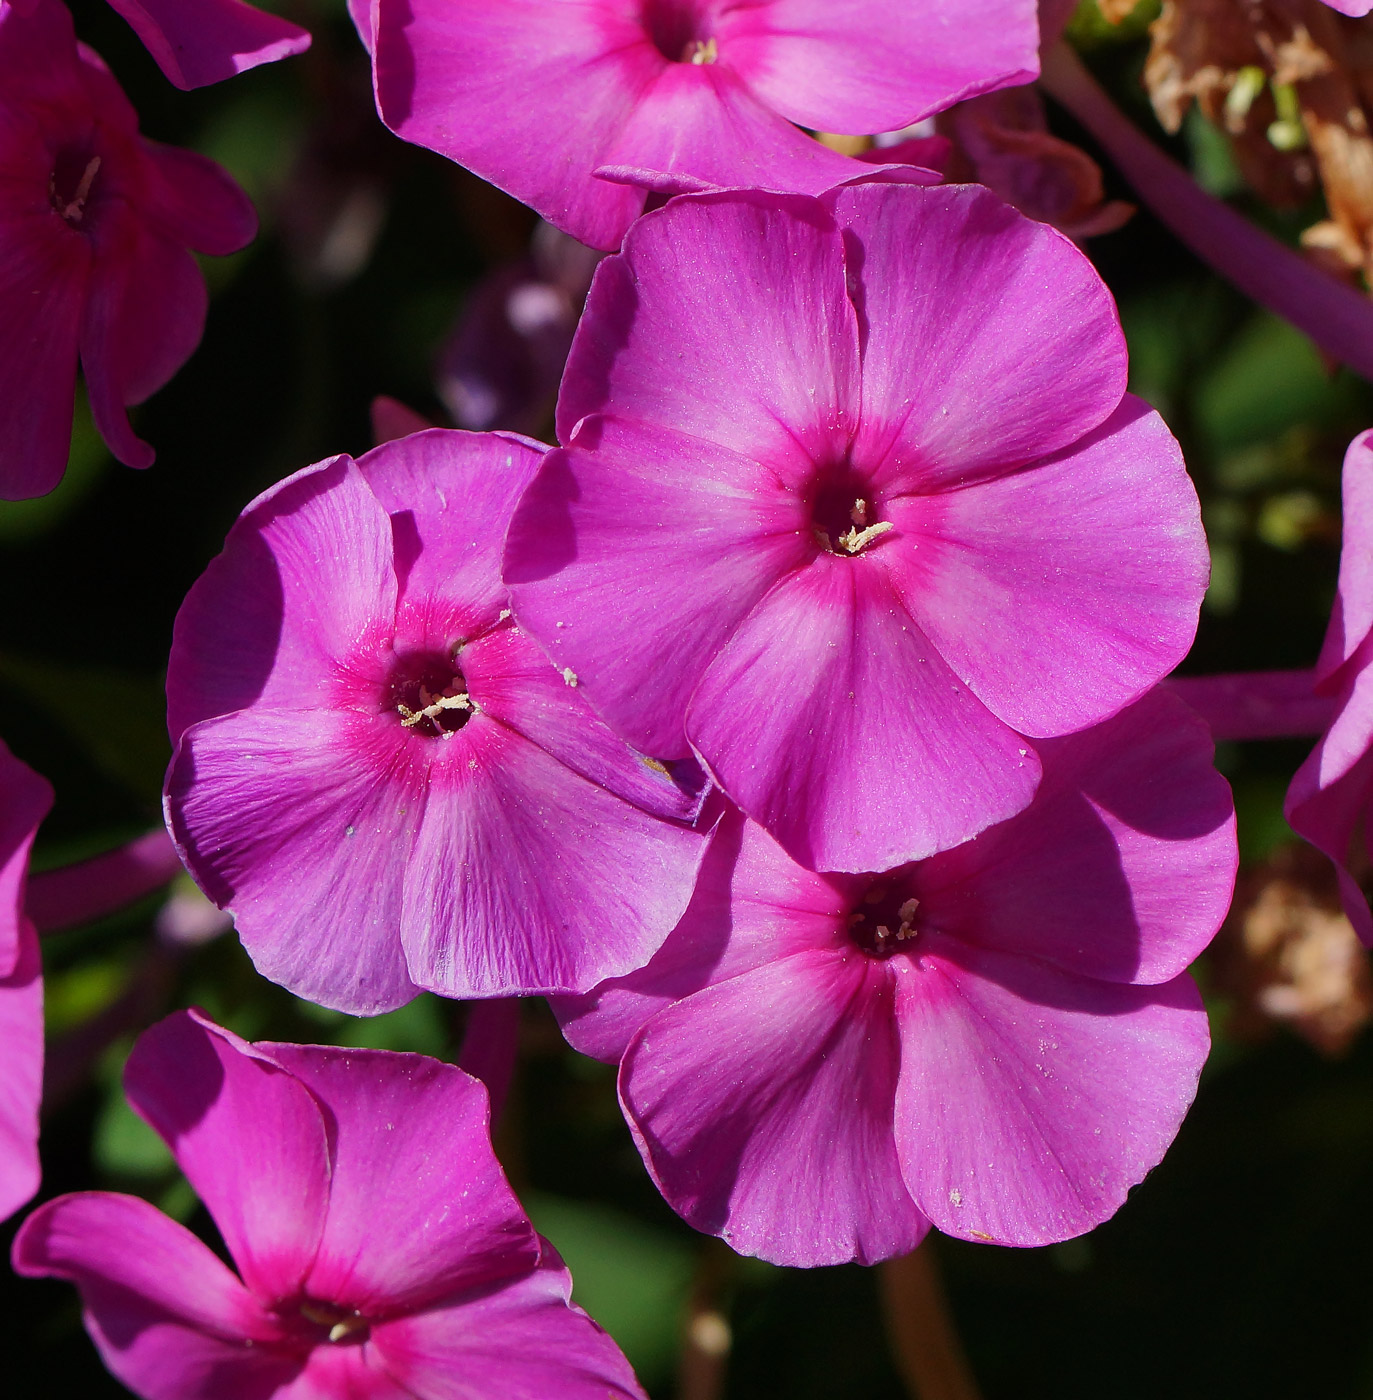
1000,1040
24,801
196,42
380,1252
570,105
853,500
380,775
1331,796
97,227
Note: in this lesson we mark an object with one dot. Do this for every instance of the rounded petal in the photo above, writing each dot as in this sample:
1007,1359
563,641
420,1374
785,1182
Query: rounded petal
305,573
1063,591
418,1205
196,202
523,1341
831,720
632,573
248,1135
296,823
726,318
25,799
356,1372
1351,620
856,66
763,1109
205,42
1031,1101
1122,867
969,368
168,1318
21,1081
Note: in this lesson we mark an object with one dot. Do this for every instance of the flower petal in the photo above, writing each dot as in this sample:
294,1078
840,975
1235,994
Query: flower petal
969,369
305,573
523,1341
831,720
1031,1101
300,823
196,202
418,1204
632,572
763,1109
726,318
1060,593
168,1318
21,1082
25,799
856,66
250,1138
1351,620
1121,868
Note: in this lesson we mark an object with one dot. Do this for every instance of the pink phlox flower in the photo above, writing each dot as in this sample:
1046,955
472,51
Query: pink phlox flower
25,799
196,42
96,231
381,776
540,97
381,1254
852,500
1354,8
1000,1040
1331,796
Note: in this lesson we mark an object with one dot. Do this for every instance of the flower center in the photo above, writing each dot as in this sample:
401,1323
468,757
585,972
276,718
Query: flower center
428,693
844,515
885,919
343,1324
676,29
70,184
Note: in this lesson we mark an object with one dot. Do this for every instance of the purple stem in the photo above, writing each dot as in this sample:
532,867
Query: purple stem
1338,318
1257,704
90,889
490,1044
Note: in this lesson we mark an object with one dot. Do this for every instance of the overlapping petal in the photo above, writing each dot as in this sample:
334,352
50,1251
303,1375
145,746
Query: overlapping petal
21,1072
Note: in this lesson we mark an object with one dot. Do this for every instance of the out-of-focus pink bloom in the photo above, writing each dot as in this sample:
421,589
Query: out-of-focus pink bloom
96,231
538,96
196,42
850,504
381,1254
1256,704
1354,8
380,775
1331,797
24,801
1000,1041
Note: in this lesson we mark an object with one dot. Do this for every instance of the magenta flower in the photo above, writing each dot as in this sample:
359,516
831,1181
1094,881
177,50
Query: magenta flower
541,98
1000,1041
850,503
24,801
1331,797
1351,7
380,775
196,42
96,231
381,1254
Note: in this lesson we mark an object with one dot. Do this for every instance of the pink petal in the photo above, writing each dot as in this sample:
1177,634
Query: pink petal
1256,704
43,280
305,573
763,1109
525,878
169,1319
525,1341
1352,618
90,889
25,799
281,815
831,720
1031,1101
463,78
1063,591
195,202
249,1137
205,42
1123,866
637,613
748,291
344,1372
21,1079
418,1204
856,66
1351,7
445,491
522,690
969,367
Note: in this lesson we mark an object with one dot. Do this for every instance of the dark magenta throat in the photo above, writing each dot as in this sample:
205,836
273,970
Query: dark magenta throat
679,29
886,918
427,693
74,178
